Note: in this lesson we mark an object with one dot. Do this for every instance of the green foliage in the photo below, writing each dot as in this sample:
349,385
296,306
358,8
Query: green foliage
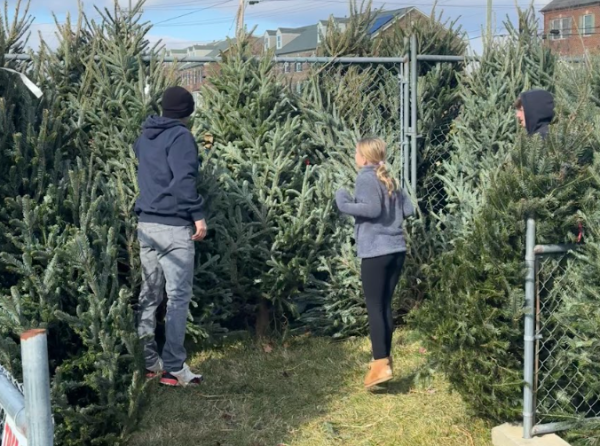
278,255
69,261
472,322
353,38
269,213
495,179
518,63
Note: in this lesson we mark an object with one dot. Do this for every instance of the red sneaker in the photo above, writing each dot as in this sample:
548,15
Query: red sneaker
155,371
183,378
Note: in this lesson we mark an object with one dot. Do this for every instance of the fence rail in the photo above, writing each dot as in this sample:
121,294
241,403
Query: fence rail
200,59
554,388
12,401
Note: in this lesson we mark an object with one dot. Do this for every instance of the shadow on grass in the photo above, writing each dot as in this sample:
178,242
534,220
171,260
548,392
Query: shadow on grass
399,386
253,395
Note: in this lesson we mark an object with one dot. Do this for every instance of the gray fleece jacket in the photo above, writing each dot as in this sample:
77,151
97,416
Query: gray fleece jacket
379,217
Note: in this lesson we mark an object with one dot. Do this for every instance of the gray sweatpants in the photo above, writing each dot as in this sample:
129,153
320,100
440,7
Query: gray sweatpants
167,255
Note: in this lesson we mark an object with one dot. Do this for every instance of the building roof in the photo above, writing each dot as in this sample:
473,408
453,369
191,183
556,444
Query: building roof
271,32
219,46
308,38
203,47
293,30
306,41
384,19
335,19
568,4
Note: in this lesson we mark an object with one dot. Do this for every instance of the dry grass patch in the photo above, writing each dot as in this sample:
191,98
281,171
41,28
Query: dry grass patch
307,392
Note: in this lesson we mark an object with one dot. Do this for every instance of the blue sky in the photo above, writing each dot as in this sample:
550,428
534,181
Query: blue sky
179,23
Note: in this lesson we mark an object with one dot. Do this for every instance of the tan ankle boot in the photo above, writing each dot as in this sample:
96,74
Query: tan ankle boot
380,371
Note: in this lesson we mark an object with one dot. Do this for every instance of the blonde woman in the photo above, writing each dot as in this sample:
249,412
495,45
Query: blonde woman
379,209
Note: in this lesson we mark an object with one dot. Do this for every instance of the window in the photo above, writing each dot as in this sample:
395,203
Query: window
586,27
279,41
298,67
561,28
267,43
287,67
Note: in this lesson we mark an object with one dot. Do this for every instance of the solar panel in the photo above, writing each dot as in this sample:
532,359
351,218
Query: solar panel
380,22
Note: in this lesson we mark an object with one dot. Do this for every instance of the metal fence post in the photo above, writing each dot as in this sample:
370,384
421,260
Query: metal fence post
406,114
401,84
529,337
36,384
414,116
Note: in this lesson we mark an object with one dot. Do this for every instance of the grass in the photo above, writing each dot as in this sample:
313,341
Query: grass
307,392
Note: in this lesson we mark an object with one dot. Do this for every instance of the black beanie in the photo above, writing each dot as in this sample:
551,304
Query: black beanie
177,103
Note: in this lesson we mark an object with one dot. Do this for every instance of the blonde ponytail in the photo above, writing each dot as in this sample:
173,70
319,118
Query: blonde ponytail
373,151
391,184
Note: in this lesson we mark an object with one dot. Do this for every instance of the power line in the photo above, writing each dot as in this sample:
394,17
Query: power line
273,13
193,12
266,14
174,5
263,15
410,4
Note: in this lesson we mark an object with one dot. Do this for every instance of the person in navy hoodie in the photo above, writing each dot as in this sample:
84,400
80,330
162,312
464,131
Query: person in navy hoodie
171,218
535,111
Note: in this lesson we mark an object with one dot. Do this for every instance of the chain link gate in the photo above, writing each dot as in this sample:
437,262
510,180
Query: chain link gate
367,89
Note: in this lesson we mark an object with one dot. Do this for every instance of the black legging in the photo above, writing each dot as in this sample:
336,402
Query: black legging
380,276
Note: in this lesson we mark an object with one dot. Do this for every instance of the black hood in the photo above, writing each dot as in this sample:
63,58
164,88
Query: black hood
538,106
155,125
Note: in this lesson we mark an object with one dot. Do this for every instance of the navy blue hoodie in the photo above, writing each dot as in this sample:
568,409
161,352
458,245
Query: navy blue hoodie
167,174
538,106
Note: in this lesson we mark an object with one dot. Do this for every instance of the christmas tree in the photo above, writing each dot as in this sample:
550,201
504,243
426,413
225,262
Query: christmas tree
69,260
269,214
497,177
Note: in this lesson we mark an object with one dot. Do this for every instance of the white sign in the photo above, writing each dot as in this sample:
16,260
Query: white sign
11,436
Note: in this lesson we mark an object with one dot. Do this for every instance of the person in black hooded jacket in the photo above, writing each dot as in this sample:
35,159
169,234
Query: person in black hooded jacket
535,111
171,218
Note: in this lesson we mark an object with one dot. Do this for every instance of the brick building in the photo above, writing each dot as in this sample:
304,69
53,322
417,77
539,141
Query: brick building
193,74
570,26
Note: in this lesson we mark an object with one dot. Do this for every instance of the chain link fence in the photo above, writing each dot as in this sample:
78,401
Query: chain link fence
362,95
383,96
561,390
365,92
17,385
562,355
435,151
350,98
